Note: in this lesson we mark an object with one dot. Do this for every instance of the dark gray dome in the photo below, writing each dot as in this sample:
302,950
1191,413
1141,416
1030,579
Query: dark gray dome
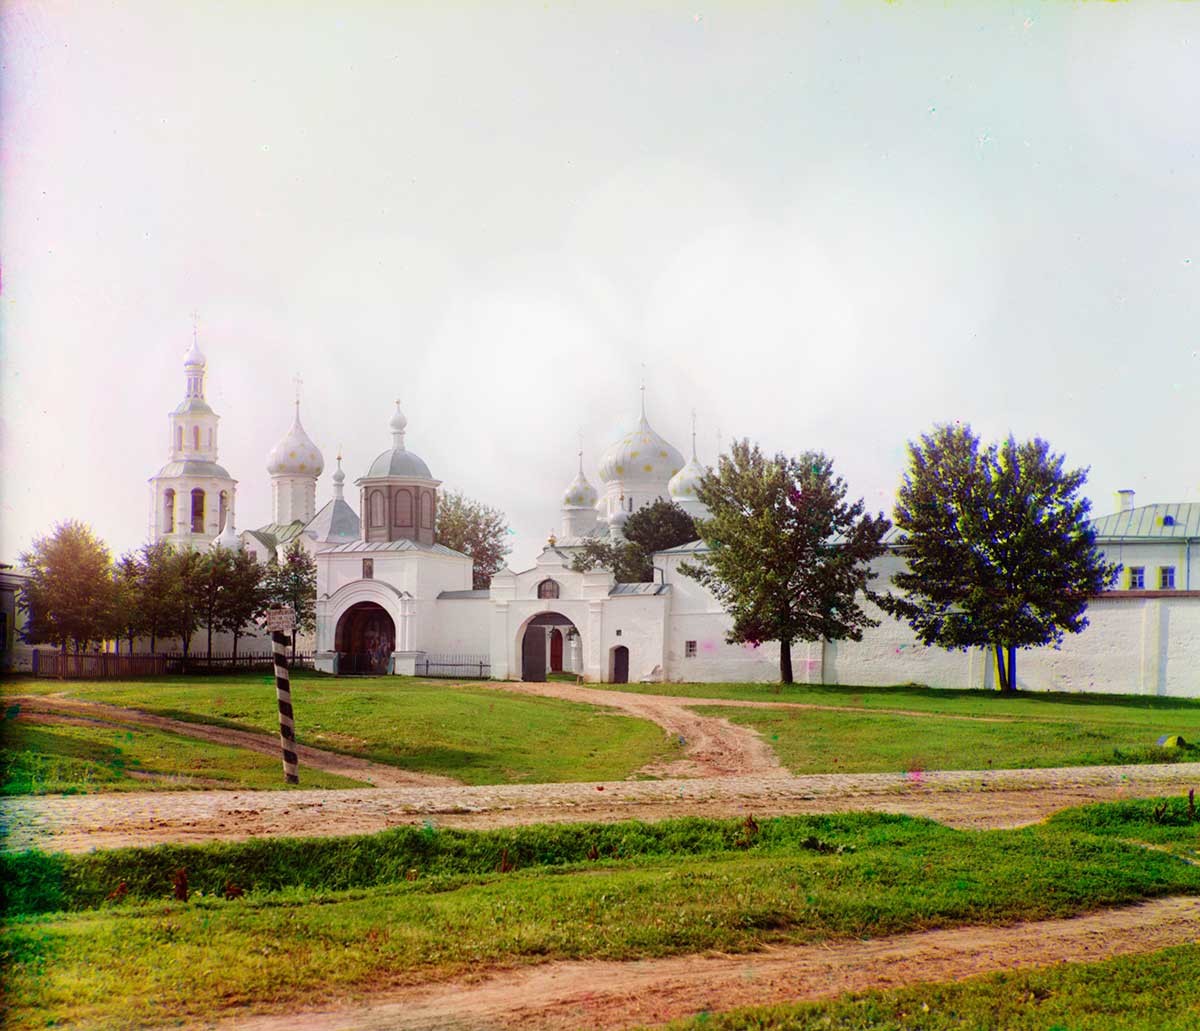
399,462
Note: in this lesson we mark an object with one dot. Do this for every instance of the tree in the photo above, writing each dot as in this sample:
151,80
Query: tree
70,594
292,584
159,592
127,603
213,574
787,557
655,527
244,597
1000,552
475,530
185,602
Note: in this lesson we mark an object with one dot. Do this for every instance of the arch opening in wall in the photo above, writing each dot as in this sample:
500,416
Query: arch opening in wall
364,639
222,510
195,438
618,665
403,516
178,438
426,510
550,643
548,588
377,508
197,510
168,519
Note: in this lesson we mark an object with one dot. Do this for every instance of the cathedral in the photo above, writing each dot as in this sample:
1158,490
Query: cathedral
390,599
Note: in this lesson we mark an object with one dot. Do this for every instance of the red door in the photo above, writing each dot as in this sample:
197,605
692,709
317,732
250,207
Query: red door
556,646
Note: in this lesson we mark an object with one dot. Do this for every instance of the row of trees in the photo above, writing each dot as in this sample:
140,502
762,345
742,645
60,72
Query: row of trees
999,550
77,596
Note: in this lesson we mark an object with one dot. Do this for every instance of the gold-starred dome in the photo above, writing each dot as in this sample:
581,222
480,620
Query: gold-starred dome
579,493
641,455
296,454
684,483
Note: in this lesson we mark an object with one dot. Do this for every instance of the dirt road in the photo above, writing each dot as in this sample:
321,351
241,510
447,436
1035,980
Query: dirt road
609,995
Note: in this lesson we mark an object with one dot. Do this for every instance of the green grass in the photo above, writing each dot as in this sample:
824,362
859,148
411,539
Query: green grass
39,759
820,741
324,918
1153,992
476,735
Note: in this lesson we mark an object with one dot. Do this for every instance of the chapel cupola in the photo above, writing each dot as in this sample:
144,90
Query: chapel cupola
398,495
294,465
684,484
579,505
635,470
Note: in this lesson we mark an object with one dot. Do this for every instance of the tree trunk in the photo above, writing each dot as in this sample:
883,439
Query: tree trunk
293,648
1008,682
1012,668
236,635
153,641
785,662
208,656
1001,673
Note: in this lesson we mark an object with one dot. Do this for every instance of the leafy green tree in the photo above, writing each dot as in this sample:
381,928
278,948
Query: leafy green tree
786,556
654,527
212,582
476,530
1000,551
185,608
127,599
70,594
292,583
159,592
244,598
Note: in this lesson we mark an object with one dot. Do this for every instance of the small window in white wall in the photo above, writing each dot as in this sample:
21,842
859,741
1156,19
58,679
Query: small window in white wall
689,649
1166,578
368,569
1137,578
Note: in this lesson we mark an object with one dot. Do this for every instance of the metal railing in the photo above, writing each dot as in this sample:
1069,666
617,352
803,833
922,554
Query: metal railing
462,667
105,665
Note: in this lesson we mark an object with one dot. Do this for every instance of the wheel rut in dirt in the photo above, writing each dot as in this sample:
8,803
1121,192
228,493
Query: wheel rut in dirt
37,708
602,995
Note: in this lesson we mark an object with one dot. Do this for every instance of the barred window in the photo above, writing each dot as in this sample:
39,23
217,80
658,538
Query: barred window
368,569
689,649
548,589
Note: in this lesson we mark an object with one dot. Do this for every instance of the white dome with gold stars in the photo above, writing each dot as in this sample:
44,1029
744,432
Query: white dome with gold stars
296,454
580,493
641,456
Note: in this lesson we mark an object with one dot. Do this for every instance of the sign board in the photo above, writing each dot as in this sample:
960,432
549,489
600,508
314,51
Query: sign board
281,621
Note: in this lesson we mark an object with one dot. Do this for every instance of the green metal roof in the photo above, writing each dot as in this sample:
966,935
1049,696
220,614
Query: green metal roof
1150,522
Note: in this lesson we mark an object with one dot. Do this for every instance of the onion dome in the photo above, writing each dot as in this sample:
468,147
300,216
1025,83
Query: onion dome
194,356
684,483
339,477
398,461
296,454
641,455
579,493
228,538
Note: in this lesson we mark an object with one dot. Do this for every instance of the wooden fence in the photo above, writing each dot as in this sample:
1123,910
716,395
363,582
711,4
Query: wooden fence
104,665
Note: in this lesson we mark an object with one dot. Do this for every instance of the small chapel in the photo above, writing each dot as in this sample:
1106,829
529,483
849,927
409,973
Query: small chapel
391,600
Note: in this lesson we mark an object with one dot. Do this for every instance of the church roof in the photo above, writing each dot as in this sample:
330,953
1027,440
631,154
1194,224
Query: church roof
193,406
463,595
194,467
400,545
653,588
274,534
1150,522
335,520
399,462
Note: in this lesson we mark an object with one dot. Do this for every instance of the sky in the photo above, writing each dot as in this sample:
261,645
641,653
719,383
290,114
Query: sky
820,226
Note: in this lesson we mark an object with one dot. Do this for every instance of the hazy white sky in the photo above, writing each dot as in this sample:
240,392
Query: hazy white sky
821,225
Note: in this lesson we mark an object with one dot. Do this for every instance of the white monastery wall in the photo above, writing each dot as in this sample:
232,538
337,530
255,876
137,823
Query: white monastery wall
459,626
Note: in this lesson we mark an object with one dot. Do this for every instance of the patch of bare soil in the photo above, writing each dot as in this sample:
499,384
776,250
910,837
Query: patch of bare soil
609,995
72,709
712,747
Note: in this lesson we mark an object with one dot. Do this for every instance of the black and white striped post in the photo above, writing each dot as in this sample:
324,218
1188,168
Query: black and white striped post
278,621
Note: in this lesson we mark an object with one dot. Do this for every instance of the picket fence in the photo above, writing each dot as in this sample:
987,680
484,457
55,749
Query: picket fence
105,665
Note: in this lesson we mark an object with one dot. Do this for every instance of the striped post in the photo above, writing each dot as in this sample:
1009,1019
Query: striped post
287,723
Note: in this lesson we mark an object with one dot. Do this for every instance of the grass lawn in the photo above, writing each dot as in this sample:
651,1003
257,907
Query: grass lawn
1154,992
39,759
330,917
1028,730
476,735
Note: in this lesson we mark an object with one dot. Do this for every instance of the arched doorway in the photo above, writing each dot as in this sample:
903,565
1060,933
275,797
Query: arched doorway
550,644
619,667
364,639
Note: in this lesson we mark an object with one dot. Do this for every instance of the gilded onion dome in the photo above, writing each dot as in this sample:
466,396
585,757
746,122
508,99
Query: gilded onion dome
641,455
684,483
579,493
296,454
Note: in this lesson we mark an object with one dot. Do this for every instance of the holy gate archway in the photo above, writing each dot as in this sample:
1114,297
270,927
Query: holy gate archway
550,644
365,639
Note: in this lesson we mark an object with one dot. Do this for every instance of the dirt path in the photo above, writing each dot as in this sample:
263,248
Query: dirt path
713,747
967,799
74,710
603,995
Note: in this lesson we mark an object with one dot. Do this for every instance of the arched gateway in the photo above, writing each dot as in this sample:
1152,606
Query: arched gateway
546,637
365,639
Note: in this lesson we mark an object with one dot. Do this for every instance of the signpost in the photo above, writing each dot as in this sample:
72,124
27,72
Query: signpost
282,622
